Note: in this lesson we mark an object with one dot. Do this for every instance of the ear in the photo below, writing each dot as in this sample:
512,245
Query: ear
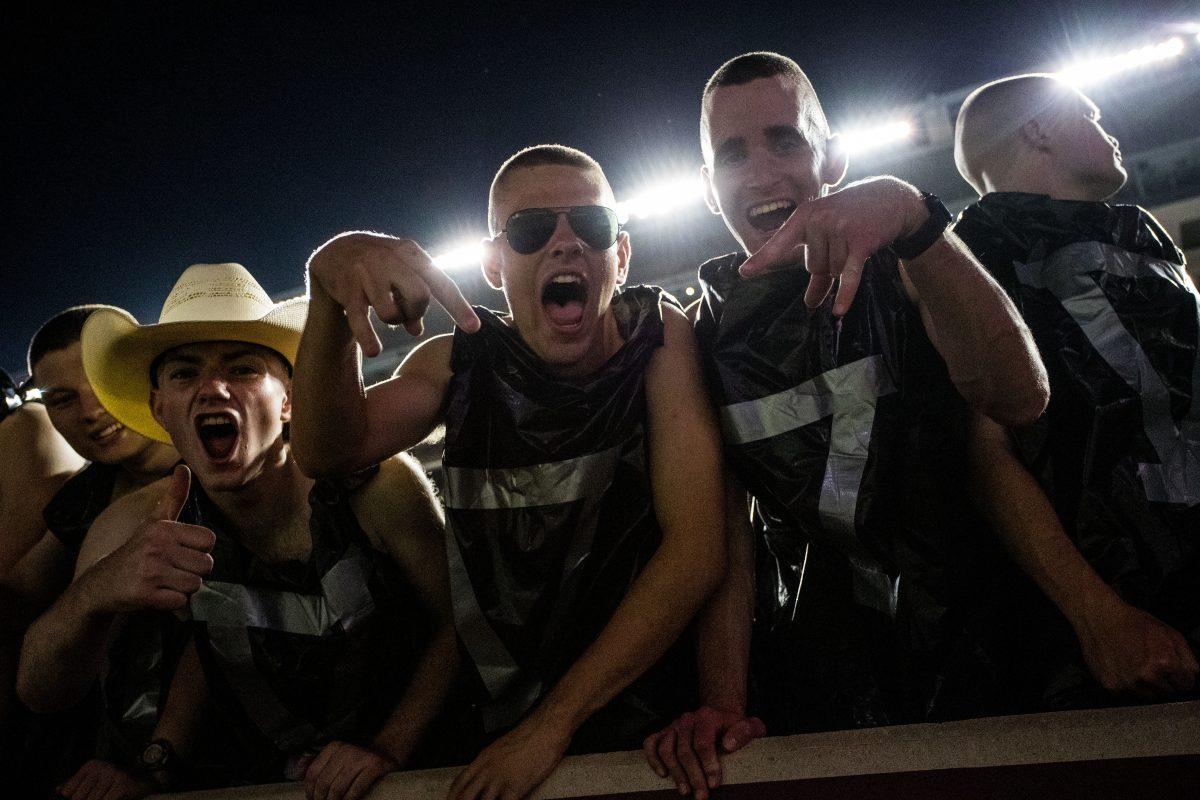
835,163
624,251
710,194
1034,134
156,409
490,263
285,413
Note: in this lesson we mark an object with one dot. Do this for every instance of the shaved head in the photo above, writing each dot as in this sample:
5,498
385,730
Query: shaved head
745,68
987,134
538,156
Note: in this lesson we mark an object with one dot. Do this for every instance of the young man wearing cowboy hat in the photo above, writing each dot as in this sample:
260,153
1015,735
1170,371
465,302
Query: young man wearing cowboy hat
319,609
581,460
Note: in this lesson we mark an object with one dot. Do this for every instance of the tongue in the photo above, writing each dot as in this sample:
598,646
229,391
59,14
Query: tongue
219,446
570,313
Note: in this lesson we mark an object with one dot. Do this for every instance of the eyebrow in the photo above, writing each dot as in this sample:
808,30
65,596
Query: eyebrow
729,145
781,131
192,360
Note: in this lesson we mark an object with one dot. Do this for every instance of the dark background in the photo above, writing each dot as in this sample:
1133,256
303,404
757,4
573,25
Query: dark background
143,137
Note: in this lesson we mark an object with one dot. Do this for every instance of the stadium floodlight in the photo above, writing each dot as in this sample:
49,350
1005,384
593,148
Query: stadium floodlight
864,140
661,198
1094,70
466,254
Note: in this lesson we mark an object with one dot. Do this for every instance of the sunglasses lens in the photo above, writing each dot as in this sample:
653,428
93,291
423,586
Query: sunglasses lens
596,226
528,231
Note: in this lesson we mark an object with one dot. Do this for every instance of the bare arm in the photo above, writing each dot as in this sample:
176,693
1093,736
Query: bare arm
979,333
409,524
687,480
990,354
401,515
339,426
1126,649
135,557
687,749
37,463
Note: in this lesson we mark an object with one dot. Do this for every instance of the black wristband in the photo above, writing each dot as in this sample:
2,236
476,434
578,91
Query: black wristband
930,231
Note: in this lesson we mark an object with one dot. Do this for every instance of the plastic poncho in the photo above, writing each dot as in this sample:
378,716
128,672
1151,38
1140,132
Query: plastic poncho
1115,317
297,654
548,497
850,437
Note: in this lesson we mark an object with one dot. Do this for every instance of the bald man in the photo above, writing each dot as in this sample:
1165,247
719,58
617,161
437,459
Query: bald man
1100,500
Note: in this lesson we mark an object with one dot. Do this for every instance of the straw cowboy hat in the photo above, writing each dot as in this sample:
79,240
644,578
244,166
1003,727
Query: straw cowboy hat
209,303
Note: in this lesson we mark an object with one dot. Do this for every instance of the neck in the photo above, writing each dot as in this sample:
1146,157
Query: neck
150,464
602,348
269,513
1042,178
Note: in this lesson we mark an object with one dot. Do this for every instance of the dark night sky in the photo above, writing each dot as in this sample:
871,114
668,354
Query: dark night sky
145,137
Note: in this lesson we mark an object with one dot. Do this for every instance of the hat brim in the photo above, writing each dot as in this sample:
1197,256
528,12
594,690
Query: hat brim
118,352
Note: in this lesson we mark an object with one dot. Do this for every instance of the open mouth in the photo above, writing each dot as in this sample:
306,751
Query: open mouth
107,434
769,216
564,297
218,433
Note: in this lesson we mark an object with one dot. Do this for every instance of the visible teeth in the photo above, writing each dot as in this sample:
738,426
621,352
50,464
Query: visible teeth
774,205
109,431
566,279
214,419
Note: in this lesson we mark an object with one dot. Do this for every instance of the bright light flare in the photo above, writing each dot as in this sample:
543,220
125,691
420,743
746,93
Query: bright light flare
466,254
876,137
662,198
1095,70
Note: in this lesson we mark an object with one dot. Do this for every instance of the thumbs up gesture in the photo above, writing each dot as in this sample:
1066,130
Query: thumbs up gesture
162,564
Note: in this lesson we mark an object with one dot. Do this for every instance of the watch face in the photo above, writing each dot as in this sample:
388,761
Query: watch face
153,755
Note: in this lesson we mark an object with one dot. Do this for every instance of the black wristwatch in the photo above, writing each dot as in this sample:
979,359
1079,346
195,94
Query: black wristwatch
158,757
923,237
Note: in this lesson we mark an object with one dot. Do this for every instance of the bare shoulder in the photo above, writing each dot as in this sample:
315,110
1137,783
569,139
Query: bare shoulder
429,357
28,431
677,356
117,523
397,503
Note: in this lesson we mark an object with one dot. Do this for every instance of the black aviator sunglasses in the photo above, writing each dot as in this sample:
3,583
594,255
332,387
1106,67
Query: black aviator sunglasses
529,229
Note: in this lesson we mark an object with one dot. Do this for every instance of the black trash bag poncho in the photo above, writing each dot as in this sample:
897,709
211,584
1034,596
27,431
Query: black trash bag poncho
850,436
549,505
297,654
1115,316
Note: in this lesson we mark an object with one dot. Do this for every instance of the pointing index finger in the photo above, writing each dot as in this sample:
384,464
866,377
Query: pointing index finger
447,293
779,248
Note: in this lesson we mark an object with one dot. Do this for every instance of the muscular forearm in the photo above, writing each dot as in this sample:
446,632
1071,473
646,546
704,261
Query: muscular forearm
1022,516
329,402
426,692
724,625
987,348
63,651
661,602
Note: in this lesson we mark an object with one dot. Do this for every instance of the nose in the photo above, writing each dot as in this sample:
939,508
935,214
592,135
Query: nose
564,242
90,405
760,173
213,386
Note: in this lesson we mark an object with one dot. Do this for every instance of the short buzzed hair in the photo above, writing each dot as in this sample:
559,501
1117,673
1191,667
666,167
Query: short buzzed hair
764,64
991,116
540,155
59,332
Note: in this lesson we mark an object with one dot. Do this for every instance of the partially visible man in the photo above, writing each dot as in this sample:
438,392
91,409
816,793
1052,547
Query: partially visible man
581,459
319,610
844,418
120,460
35,461
1100,501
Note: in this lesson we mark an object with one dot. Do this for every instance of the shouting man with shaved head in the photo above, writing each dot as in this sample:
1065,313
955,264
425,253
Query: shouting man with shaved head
842,344
581,460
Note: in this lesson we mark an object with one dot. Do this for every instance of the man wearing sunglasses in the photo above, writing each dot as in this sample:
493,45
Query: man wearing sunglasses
844,417
582,469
